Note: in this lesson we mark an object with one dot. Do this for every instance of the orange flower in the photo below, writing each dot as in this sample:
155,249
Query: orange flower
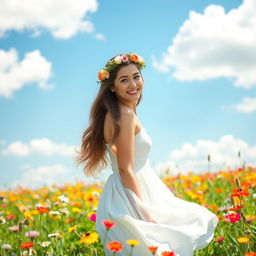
152,248
218,190
108,224
250,254
69,220
168,253
236,207
239,192
27,245
103,74
42,209
114,246
134,57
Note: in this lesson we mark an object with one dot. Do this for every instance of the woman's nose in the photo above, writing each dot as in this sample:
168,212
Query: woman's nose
133,83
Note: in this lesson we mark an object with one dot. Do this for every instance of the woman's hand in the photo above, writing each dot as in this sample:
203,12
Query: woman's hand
151,220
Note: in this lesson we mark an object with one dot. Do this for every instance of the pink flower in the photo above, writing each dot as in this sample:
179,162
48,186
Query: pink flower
32,234
92,217
232,217
125,58
11,217
14,228
219,239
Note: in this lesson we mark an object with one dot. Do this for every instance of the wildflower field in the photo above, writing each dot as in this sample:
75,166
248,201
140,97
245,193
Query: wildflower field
60,220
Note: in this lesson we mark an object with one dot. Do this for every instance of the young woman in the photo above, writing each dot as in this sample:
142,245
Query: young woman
134,197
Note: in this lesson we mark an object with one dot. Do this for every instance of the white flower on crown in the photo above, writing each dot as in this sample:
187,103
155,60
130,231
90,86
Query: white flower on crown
118,59
140,59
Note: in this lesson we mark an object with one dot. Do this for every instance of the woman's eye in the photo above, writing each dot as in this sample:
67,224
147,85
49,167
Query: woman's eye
125,80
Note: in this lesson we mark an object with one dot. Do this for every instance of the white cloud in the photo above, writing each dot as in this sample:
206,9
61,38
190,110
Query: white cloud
43,175
248,105
215,44
223,154
100,36
63,18
42,146
17,149
15,74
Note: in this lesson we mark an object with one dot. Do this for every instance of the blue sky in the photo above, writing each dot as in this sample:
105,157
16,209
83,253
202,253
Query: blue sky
199,94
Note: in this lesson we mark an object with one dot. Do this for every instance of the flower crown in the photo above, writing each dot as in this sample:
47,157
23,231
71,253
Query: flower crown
119,59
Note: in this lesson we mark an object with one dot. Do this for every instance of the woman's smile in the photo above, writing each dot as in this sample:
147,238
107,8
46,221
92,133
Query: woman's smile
133,92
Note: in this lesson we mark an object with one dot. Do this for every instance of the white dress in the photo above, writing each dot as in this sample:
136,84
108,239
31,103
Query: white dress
182,226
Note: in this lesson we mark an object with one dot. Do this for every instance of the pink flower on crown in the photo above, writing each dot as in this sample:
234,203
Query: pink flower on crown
125,58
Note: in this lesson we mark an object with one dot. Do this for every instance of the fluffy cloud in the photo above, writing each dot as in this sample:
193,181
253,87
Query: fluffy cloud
248,105
15,74
43,175
42,146
223,154
100,36
215,44
63,18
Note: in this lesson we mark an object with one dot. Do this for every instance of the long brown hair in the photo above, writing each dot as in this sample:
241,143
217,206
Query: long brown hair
93,148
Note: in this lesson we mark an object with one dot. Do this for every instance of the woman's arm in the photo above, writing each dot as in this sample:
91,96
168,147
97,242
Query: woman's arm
125,150
125,159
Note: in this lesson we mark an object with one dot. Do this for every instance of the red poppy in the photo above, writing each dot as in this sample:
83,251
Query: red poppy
27,245
115,246
42,209
108,223
239,192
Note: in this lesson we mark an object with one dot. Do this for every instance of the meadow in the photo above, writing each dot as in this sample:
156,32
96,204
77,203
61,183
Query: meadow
60,220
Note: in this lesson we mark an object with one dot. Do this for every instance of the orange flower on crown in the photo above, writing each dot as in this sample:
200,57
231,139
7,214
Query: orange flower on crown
103,74
134,57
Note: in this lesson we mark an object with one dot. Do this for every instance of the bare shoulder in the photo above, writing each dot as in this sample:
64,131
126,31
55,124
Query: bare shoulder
126,112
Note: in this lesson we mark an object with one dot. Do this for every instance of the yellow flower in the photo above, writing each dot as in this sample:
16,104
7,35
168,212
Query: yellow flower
89,238
75,209
90,213
28,216
237,200
132,242
250,217
72,228
243,239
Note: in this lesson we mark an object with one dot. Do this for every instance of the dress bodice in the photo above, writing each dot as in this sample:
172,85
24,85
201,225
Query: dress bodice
142,146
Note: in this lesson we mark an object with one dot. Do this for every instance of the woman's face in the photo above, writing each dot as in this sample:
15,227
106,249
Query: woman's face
128,84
